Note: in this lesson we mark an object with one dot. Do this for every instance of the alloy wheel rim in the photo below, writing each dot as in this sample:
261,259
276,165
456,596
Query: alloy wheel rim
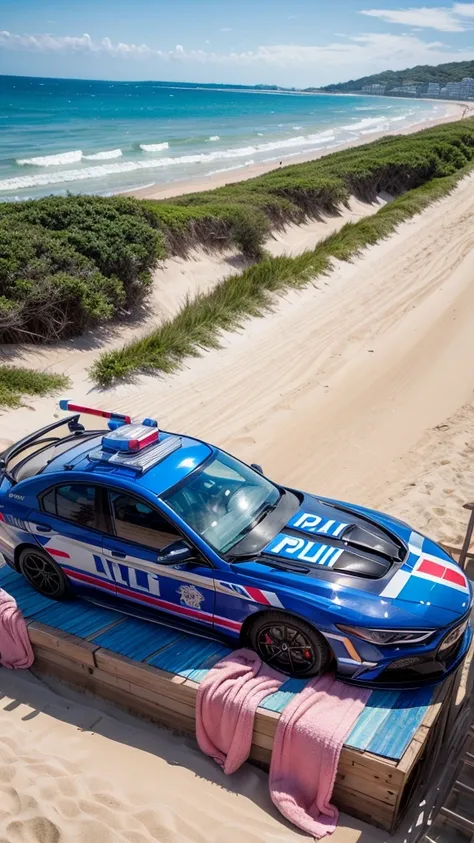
41,574
287,648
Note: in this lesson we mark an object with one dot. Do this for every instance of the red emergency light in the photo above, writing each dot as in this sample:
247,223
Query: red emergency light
69,406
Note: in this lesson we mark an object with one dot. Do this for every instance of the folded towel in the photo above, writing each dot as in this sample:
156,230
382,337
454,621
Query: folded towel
308,741
15,646
227,700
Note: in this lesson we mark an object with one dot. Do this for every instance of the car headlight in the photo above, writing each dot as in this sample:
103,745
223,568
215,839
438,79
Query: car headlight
388,636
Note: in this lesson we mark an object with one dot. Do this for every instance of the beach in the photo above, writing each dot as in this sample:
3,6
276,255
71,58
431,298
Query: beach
454,111
107,138
357,387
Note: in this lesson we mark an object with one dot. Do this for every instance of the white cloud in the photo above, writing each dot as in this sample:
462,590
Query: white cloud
452,19
464,10
226,29
288,63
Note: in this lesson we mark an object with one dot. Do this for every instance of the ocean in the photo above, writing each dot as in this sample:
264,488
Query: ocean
70,135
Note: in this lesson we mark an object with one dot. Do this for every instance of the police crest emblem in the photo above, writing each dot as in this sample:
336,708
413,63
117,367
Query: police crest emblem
190,596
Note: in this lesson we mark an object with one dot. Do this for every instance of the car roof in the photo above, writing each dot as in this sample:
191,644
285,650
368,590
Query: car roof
171,469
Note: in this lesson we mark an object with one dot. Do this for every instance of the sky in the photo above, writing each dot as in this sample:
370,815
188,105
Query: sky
297,43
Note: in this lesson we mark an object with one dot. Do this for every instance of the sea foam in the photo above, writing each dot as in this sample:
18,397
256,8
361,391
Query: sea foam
52,160
104,156
248,152
64,158
154,147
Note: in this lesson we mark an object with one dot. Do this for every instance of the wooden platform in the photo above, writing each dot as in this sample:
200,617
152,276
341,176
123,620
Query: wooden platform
154,671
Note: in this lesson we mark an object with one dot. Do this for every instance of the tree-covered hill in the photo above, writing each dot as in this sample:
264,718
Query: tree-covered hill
422,74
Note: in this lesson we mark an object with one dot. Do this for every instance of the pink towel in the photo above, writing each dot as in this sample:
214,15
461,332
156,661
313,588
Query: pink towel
308,741
15,645
227,700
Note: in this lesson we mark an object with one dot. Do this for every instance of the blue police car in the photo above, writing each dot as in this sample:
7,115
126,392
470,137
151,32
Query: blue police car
175,530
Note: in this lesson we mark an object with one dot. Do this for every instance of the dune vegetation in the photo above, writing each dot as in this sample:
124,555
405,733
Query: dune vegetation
16,382
70,263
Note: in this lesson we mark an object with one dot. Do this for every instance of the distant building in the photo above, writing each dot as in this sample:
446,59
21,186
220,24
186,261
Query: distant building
374,89
433,89
467,88
406,90
453,89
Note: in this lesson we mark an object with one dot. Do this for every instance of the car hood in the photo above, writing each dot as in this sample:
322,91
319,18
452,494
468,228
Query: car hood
359,549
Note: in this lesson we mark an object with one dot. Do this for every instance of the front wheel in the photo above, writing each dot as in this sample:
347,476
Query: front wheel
43,574
289,645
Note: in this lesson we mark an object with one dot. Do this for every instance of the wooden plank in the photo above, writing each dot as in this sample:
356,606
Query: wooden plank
398,728
138,707
380,792
366,809
56,640
137,639
139,672
186,656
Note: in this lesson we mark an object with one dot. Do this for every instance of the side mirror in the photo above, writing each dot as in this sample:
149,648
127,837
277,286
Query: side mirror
257,467
176,553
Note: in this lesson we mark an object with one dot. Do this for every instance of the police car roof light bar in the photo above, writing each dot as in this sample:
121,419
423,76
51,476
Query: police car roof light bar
64,404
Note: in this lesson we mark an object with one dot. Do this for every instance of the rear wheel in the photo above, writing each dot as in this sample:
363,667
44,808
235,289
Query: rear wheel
289,644
43,574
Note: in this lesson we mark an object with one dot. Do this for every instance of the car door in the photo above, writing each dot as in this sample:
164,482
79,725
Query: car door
133,558
69,527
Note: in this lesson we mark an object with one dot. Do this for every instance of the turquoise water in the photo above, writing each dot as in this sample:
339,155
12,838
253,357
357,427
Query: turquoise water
59,135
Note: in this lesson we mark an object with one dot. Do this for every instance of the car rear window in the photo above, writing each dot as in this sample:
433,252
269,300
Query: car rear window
73,502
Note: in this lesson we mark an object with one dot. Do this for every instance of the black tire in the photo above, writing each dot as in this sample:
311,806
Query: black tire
43,574
289,644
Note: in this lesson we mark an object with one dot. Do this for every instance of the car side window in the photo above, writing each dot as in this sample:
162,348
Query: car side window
135,521
73,502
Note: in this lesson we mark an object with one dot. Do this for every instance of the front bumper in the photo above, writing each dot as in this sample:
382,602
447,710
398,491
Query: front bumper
429,668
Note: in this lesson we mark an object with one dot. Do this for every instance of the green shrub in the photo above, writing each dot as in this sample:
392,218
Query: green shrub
16,382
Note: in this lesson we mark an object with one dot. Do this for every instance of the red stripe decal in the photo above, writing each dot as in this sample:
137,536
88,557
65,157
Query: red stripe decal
456,577
432,568
258,596
60,553
150,599
77,575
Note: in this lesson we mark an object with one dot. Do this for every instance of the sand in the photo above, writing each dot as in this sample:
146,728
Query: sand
358,387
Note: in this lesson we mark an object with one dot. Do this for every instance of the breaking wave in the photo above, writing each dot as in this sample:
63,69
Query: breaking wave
52,160
154,147
104,156
46,179
214,138
64,158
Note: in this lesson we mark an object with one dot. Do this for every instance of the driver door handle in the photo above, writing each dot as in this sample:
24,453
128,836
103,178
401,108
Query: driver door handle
119,554
43,528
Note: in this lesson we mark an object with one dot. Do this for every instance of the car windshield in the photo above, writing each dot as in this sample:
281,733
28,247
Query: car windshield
223,501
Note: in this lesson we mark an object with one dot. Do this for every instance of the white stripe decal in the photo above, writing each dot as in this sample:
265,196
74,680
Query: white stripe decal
416,542
394,587
273,599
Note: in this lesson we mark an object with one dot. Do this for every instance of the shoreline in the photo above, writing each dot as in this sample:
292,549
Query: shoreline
211,182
